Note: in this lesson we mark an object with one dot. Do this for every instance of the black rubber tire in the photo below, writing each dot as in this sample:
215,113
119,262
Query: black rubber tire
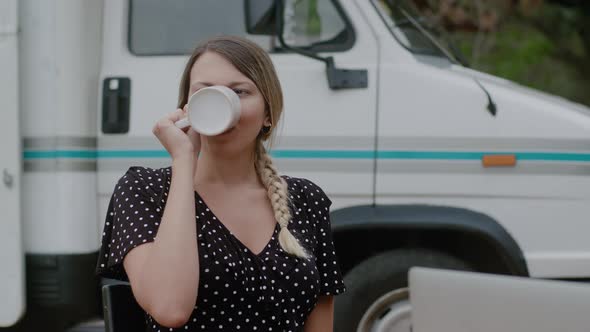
381,274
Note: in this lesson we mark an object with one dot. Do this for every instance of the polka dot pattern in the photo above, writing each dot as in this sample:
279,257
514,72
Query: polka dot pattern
238,289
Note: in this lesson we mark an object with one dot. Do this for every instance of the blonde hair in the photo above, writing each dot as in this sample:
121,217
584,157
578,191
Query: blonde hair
252,61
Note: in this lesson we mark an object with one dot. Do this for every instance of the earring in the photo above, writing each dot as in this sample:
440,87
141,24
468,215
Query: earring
266,129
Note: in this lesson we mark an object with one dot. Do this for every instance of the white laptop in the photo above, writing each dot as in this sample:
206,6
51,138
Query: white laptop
454,301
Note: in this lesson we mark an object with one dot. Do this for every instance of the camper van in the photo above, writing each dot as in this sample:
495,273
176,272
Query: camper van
427,162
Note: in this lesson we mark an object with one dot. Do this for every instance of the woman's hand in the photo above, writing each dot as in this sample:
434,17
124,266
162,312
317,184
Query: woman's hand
178,142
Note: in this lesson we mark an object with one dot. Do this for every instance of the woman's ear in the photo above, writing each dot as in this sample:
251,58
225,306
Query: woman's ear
267,122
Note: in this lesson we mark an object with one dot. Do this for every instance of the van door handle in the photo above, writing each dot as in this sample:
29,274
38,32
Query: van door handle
116,94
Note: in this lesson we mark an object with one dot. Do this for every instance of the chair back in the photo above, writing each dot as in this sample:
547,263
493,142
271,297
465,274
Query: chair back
121,312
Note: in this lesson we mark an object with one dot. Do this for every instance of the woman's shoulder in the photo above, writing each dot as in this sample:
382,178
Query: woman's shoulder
303,184
138,199
145,173
307,188
147,181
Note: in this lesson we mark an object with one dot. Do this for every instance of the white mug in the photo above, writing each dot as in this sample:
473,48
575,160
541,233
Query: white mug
212,110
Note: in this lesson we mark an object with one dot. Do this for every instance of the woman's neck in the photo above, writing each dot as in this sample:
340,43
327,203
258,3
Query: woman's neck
223,169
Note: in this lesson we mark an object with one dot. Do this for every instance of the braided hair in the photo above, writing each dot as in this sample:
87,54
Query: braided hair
278,195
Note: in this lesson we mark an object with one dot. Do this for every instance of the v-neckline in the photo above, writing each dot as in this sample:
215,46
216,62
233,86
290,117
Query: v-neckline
233,236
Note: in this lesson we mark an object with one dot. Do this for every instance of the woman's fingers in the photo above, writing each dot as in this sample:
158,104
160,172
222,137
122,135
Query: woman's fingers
184,115
176,115
168,120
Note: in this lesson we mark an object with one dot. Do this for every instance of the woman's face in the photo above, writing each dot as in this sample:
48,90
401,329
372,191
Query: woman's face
213,69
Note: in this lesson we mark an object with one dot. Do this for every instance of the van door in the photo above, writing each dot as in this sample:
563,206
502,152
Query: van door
328,135
146,45
12,286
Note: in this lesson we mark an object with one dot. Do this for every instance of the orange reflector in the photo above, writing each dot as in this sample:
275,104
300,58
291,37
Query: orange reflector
499,160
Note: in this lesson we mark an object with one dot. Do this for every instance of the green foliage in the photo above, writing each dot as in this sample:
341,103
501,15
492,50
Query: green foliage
544,50
517,49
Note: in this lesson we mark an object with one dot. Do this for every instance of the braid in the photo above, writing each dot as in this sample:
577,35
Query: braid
279,199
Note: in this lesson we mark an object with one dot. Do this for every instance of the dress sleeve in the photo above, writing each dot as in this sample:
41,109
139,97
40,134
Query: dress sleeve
133,217
318,203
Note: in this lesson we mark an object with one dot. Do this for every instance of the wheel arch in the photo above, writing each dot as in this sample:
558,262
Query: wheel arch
364,231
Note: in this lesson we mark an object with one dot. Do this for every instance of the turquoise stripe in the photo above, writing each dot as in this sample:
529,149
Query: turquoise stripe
62,154
111,154
429,155
553,156
322,154
316,154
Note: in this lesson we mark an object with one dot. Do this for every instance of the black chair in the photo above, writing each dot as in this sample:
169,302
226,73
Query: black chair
121,311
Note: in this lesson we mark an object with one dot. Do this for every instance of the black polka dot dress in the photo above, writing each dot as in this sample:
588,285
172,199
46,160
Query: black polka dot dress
239,290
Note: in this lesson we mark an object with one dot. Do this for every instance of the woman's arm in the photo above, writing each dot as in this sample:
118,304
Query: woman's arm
164,274
321,318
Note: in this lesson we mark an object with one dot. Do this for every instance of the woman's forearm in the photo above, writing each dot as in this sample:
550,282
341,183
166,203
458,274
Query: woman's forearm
321,317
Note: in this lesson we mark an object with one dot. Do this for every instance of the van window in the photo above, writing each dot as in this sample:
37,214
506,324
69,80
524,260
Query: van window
408,28
317,25
159,27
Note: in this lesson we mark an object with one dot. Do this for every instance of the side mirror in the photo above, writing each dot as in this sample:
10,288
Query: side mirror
267,17
260,17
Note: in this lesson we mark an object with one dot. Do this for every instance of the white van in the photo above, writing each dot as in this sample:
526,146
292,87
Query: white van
427,162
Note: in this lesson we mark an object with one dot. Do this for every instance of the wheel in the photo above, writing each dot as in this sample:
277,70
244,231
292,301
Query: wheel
377,298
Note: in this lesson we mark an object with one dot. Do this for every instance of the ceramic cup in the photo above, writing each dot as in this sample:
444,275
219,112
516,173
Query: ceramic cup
212,110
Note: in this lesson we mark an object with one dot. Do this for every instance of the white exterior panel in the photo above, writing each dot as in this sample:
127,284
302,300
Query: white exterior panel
12,271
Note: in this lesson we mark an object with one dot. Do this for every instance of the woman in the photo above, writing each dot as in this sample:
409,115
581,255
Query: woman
219,241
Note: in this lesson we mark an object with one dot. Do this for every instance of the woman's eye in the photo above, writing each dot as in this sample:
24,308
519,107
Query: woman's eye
240,92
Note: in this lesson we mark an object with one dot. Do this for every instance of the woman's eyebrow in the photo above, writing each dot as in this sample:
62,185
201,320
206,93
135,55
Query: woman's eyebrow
239,83
194,84
231,84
